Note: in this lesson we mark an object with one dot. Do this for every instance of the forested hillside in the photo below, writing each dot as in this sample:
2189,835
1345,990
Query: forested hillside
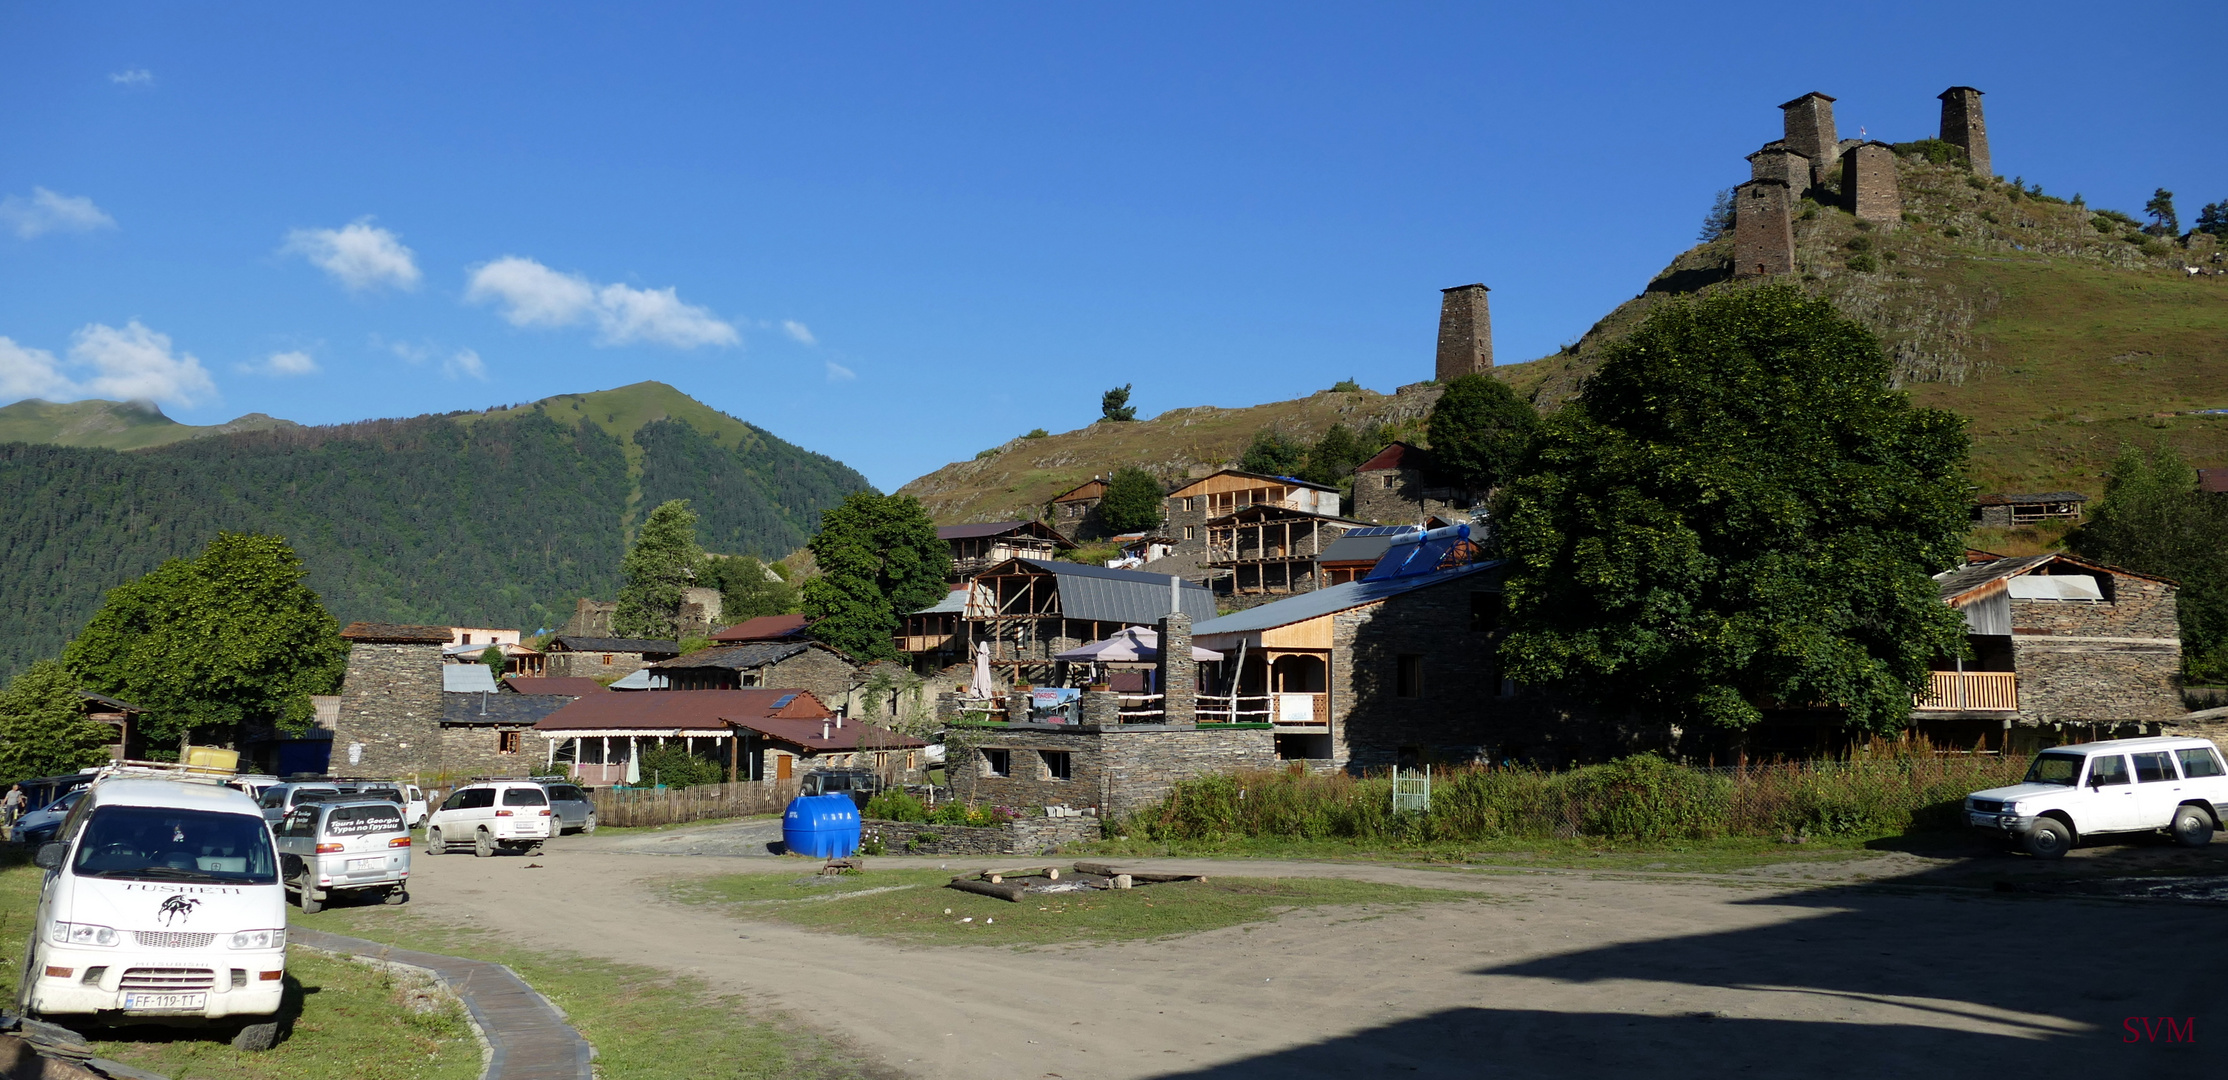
496,519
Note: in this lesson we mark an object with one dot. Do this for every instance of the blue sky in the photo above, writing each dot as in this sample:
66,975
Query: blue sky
901,234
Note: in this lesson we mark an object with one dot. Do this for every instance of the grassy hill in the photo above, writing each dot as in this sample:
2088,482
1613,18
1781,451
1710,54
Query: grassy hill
1016,479
2061,331
112,425
499,518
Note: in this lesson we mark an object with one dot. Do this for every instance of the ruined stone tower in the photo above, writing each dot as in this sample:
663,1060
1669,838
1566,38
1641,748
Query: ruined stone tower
1809,127
1465,332
1868,187
1763,230
1776,162
1963,126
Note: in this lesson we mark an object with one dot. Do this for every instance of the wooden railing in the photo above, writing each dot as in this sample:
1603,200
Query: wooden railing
665,806
1284,710
1967,690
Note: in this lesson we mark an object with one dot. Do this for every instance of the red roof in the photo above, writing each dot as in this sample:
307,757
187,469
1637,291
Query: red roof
2213,480
711,711
851,736
765,628
397,634
1396,456
535,684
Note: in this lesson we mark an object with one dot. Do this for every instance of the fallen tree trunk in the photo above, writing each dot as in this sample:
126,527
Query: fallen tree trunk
1051,873
1139,876
985,888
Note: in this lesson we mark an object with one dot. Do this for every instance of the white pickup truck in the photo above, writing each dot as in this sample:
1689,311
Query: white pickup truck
2116,786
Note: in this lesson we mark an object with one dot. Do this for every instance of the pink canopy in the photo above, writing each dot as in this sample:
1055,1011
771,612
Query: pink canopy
1138,643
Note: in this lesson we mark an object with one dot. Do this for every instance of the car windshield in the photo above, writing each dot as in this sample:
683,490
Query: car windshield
2060,769
524,796
157,843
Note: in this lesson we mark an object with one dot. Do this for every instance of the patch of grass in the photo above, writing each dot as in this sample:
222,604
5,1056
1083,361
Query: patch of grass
1721,855
913,905
645,1024
352,1021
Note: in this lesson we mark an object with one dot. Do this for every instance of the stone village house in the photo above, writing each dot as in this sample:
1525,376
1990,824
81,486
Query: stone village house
804,665
759,733
396,720
574,656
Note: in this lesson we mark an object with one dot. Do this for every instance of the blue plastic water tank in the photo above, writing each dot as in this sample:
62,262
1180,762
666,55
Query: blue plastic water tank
821,826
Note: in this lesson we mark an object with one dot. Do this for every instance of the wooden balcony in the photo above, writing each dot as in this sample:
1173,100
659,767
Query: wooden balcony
1969,691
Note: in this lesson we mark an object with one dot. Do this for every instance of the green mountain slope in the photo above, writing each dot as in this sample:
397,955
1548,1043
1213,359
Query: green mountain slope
498,518
114,425
2061,332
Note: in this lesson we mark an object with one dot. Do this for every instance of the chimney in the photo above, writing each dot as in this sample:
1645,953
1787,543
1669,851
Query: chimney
823,731
1465,332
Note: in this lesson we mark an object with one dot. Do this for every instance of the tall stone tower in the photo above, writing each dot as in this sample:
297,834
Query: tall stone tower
1809,127
1963,126
1868,185
1763,229
1776,162
1465,332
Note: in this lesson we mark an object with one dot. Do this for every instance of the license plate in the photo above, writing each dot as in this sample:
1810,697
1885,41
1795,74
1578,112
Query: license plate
366,864
133,1002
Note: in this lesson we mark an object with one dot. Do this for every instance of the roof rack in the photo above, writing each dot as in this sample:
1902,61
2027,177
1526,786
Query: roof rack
163,770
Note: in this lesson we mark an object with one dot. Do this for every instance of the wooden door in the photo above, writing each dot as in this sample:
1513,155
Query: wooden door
781,767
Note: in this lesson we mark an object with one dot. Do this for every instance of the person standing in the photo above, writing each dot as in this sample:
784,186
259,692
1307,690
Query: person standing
11,808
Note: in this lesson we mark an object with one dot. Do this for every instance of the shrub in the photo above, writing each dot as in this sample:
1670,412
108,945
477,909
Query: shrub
673,766
1859,243
1976,183
1036,433
2103,224
1864,263
1934,150
1346,386
896,805
1952,230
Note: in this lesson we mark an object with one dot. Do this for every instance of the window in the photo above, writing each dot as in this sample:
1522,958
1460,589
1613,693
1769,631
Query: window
302,822
1408,676
607,658
1057,764
1485,611
997,763
506,742
467,640
474,798
2198,761
2107,770
1187,532
2152,768
524,796
1389,480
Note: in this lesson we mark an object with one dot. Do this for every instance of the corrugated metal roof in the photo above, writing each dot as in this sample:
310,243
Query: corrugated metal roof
614,644
765,628
1365,545
501,708
568,685
1399,455
1337,598
738,657
2212,480
2008,498
1123,596
1968,583
706,710
953,603
851,736
467,679
978,529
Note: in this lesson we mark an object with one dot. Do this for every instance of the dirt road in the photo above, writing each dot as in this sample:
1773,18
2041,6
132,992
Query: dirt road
1553,974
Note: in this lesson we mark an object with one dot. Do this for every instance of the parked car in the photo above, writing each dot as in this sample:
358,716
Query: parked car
407,795
861,784
492,816
280,799
159,886
2117,786
349,845
255,784
38,826
574,811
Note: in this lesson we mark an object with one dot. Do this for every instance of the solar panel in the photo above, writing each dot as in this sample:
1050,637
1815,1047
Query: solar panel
784,700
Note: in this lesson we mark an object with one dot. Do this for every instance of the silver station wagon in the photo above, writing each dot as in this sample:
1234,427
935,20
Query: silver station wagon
358,848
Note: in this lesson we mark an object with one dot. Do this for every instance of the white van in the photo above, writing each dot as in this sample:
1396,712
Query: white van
492,816
161,905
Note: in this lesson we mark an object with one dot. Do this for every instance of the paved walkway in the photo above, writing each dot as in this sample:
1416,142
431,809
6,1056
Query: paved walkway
530,1038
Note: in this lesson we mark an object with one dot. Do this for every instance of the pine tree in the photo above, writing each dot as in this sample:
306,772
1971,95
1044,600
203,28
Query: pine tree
1114,405
1132,502
2163,220
663,561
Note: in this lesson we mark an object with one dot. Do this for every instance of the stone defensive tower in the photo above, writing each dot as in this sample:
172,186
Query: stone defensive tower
1809,128
1963,126
1776,162
1763,229
1465,332
1868,186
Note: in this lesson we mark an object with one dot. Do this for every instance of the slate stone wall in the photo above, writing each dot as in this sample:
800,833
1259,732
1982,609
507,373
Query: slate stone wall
1763,230
1115,770
590,665
2099,663
1028,836
1868,185
1962,125
1407,500
390,706
1465,332
827,675
1808,123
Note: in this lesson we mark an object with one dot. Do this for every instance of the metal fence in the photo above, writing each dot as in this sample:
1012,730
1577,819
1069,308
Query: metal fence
620,806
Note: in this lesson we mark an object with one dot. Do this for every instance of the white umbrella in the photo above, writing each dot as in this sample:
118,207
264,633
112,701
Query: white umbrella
1138,643
979,685
634,765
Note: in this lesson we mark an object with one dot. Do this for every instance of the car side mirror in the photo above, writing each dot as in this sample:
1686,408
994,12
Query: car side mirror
49,856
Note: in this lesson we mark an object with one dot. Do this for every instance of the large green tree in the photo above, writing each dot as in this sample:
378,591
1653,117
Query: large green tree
43,729
211,644
1335,456
1479,431
663,561
2154,520
1132,502
749,588
1272,453
879,560
1737,511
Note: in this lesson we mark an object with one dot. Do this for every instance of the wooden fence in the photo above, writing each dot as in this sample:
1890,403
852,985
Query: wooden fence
620,806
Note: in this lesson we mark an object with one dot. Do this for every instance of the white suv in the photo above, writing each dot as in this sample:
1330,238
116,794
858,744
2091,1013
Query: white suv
498,815
2117,786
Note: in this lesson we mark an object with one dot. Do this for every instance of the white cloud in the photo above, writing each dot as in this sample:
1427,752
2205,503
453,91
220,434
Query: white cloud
798,332
132,77
30,373
132,364
46,211
531,294
284,364
464,362
359,255
839,373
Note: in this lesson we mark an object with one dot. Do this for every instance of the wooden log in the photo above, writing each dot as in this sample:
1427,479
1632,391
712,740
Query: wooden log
1109,870
986,888
1052,872
1099,868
